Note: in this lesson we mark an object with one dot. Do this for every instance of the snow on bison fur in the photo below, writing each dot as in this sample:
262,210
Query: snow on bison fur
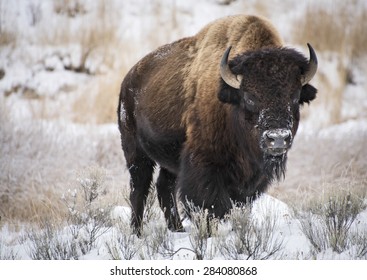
217,112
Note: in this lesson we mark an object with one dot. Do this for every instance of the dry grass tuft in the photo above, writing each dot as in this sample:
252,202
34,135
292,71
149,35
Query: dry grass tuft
336,26
7,38
70,8
7,35
98,102
310,191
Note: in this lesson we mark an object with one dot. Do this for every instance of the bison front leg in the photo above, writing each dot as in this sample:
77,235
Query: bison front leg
165,188
203,188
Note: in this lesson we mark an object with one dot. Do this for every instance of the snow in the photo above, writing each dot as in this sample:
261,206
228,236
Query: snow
45,74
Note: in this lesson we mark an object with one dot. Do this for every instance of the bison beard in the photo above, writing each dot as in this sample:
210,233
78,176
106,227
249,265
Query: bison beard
275,167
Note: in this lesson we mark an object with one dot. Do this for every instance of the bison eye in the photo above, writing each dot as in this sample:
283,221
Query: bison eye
296,96
250,102
251,105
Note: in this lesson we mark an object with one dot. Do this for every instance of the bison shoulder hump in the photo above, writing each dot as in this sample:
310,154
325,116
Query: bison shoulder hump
242,32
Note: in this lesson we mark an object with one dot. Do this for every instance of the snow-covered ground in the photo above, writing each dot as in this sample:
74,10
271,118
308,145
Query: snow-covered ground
61,63
279,235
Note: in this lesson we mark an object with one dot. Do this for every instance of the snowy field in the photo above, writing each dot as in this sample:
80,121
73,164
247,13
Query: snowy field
61,65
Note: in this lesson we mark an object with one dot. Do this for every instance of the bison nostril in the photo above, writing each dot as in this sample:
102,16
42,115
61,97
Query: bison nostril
277,138
288,140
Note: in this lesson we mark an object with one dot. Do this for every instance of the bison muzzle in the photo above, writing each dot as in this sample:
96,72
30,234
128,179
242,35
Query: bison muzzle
217,112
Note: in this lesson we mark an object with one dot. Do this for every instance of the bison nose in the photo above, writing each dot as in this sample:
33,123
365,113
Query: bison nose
277,141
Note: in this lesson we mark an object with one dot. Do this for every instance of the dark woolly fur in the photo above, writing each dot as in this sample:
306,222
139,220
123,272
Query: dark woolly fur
276,56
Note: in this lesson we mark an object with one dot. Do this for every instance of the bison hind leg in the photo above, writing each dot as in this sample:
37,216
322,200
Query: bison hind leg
141,174
165,189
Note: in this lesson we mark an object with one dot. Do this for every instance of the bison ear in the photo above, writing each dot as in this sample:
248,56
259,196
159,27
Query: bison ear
228,94
308,93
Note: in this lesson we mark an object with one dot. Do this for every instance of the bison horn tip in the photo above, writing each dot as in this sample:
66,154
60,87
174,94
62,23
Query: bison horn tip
312,66
228,77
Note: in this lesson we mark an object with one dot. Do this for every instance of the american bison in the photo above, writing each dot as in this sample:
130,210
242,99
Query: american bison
217,112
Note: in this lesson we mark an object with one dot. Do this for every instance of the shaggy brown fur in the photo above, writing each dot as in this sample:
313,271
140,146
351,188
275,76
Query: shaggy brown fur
176,111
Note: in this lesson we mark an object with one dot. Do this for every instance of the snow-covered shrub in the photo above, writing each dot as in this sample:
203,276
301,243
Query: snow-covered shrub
48,243
340,213
330,222
158,242
314,231
250,238
203,233
124,244
5,252
87,219
358,241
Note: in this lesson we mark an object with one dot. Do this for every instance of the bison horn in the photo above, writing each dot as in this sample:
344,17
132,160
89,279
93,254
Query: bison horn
226,73
312,66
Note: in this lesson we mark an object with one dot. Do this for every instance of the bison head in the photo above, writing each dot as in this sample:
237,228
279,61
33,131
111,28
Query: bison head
267,87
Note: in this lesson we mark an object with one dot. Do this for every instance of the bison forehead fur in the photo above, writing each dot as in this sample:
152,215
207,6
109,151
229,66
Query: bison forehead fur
216,142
